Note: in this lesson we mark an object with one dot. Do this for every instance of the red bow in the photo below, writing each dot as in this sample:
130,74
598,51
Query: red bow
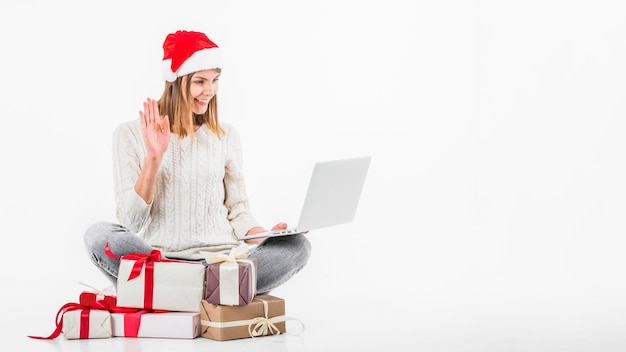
140,260
88,298
84,318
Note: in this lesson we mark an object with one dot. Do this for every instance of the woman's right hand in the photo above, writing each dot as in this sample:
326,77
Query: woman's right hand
155,129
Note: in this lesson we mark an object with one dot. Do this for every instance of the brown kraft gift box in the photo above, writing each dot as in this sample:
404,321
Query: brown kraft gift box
220,322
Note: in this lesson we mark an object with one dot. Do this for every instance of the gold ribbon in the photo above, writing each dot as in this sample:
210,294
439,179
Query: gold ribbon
240,252
259,326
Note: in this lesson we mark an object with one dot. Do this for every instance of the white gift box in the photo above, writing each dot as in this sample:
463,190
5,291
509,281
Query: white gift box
176,285
99,324
176,325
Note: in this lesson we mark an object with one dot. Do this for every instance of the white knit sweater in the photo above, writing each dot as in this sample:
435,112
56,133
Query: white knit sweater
200,201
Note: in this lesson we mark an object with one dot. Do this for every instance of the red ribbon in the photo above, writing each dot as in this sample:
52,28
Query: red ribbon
132,321
84,323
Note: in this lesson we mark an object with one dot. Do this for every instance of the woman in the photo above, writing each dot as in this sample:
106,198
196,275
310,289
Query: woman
178,179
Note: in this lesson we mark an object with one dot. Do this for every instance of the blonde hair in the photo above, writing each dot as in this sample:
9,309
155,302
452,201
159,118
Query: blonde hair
177,103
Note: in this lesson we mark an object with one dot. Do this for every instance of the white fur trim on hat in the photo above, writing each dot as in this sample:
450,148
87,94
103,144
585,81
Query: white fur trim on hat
204,59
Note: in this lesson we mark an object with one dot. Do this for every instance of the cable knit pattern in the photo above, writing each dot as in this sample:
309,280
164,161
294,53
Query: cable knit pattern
200,201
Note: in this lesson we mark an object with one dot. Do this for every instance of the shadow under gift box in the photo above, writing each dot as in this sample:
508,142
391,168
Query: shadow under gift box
172,285
264,315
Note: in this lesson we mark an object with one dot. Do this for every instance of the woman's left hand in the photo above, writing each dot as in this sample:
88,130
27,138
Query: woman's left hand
279,226
255,230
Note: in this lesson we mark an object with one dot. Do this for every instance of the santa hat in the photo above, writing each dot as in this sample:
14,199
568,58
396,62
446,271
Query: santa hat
186,52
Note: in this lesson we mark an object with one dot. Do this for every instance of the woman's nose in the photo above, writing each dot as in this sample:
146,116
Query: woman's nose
209,89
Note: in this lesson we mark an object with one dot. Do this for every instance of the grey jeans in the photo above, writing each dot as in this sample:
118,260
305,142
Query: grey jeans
278,258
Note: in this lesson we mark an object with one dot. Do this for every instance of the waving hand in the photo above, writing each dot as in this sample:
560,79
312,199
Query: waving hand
156,130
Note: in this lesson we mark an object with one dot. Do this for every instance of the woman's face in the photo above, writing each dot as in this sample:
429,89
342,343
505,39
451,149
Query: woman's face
203,88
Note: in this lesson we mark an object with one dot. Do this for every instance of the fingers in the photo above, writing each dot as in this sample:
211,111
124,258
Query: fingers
149,107
165,123
155,112
144,115
150,113
279,226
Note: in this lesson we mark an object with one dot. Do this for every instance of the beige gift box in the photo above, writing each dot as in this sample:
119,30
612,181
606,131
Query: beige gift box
99,324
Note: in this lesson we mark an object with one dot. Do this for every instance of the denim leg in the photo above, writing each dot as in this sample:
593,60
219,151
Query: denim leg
121,242
278,259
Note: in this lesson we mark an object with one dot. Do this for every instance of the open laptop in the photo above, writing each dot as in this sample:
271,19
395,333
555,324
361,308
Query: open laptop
332,197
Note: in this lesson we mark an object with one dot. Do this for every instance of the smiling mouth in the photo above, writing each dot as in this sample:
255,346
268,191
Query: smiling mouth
204,101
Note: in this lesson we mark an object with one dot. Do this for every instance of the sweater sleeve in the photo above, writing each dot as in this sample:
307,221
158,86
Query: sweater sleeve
128,154
236,200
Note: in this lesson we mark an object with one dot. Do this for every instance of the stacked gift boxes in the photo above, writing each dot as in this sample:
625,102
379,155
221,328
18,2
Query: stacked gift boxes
230,309
164,298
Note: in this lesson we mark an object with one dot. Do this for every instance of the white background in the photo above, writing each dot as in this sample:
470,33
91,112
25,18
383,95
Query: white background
494,213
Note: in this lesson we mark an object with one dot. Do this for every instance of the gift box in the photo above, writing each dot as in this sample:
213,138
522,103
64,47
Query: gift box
147,281
176,325
87,324
264,315
230,278
77,321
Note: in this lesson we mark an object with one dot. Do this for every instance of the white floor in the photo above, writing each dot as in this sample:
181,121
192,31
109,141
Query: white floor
489,321
439,296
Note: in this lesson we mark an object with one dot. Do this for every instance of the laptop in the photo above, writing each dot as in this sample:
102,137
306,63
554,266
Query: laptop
332,197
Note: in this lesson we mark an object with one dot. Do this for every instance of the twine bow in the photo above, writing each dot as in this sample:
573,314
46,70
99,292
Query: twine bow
263,326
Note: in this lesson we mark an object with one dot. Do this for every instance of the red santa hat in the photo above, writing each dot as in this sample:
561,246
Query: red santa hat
185,52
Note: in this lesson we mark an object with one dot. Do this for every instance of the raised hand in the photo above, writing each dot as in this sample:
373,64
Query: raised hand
155,129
